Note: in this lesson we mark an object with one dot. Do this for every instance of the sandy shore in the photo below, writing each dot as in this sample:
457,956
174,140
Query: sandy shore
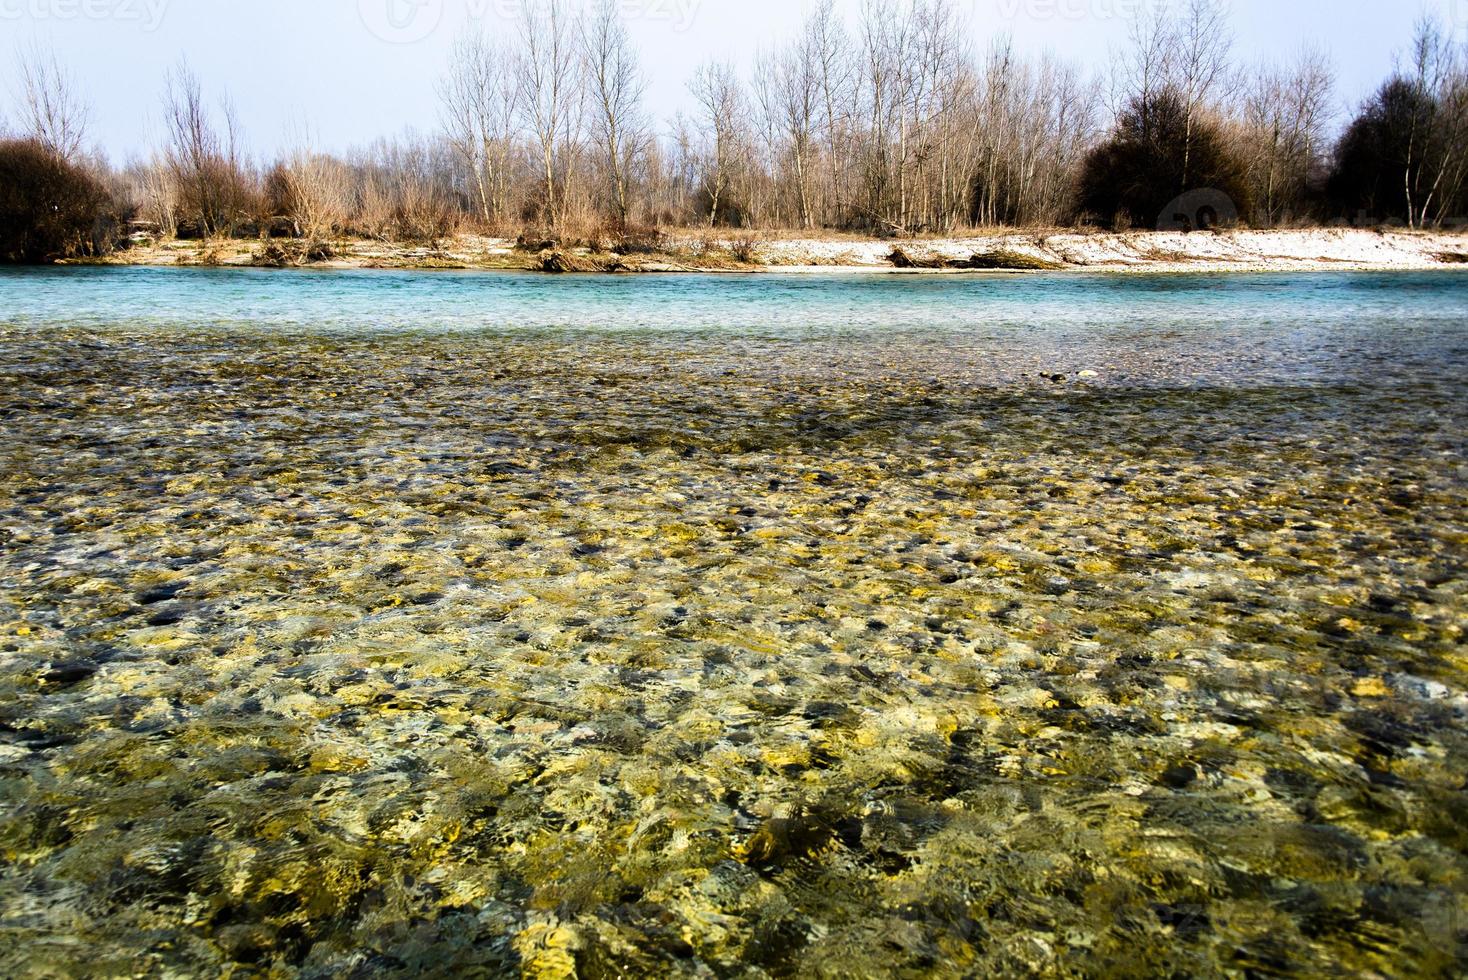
1244,251
1236,251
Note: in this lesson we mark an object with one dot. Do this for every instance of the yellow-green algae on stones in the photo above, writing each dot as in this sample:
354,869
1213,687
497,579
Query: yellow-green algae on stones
485,655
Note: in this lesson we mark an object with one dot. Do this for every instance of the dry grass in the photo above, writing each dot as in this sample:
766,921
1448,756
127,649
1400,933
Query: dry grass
745,249
902,258
275,253
991,260
1005,259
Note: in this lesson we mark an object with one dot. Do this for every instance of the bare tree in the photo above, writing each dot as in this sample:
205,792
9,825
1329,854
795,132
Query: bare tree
54,112
827,43
941,57
790,99
1452,166
204,157
1285,115
952,135
1036,122
156,191
681,177
617,86
551,97
1204,43
1146,66
896,125
721,105
480,106
318,193
1437,142
886,44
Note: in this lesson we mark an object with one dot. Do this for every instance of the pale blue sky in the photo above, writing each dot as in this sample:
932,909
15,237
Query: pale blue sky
356,69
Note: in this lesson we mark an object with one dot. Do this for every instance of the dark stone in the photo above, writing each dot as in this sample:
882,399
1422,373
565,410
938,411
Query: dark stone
891,862
1180,776
1380,733
774,945
1384,603
1187,920
781,840
39,741
166,617
160,593
69,674
827,714
1291,781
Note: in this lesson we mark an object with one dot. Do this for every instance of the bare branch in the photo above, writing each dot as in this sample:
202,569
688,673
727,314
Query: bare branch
54,112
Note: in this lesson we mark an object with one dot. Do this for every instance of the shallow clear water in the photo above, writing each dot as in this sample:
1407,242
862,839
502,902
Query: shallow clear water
384,623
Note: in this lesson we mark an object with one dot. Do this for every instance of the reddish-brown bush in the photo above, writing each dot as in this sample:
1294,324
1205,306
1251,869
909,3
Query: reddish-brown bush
49,209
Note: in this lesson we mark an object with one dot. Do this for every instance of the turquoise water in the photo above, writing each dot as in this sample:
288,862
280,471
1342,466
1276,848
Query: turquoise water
779,305
360,624
1169,329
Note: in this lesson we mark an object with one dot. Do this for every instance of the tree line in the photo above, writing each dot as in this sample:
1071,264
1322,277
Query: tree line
890,123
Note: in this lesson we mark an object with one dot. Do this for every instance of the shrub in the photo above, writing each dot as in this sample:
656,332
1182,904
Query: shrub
732,213
421,215
633,240
559,260
49,209
745,248
1149,160
278,254
215,197
403,209
535,240
1402,138
276,188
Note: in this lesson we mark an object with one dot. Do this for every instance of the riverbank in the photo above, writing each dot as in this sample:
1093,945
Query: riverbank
1339,250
